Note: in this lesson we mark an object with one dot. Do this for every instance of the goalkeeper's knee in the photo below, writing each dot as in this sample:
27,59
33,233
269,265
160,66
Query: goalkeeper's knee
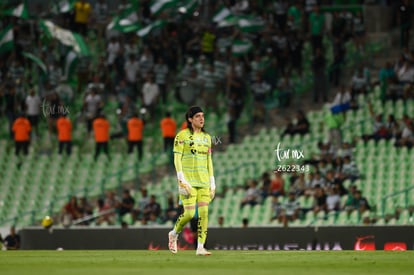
203,211
188,213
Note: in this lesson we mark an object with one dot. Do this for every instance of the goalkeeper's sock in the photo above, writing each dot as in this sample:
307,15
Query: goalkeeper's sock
202,224
200,245
174,233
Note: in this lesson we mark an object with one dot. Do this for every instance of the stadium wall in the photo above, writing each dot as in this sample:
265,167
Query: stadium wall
300,238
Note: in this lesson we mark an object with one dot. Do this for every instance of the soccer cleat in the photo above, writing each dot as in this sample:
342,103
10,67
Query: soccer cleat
202,252
172,242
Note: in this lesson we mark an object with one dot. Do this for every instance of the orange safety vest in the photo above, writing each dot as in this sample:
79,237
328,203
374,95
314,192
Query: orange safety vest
101,129
21,129
184,125
64,128
168,127
135,128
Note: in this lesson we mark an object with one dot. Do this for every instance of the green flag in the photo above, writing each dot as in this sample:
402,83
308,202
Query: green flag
65,37
188,6
241,47
36,60
158,6
251,24
244,23
64,6
153,26
6,39
229,21
222,14
70,62
126,22
20,11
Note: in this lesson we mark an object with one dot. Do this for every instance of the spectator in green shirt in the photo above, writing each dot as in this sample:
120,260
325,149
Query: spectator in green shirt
296,13
317,28
334,122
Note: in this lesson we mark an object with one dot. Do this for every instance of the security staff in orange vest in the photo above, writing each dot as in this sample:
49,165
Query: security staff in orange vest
21,130
101,130
183,125
64,129
168,129
135,127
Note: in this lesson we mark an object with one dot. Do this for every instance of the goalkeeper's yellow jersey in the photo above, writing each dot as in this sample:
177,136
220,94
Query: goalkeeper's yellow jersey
192,156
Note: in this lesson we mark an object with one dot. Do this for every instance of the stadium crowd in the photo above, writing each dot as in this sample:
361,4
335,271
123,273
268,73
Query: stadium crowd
196,57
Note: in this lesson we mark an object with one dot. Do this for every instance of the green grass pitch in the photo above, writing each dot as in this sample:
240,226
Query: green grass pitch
98,262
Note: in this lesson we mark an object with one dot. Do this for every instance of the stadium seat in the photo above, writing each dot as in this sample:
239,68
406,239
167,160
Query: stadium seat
331,219
127,218
342,218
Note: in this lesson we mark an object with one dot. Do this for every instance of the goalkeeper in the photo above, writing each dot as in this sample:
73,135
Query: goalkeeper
194,166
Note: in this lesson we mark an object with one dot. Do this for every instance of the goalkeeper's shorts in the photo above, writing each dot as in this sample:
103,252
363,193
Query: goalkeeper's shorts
198,194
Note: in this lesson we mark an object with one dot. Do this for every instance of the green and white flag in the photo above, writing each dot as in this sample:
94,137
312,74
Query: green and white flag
65,37
126,22
229,21
158,6
153,26
36,60
222,14
241,47
188,6
64,6
6,39
244,23
251,24
70,64
20,11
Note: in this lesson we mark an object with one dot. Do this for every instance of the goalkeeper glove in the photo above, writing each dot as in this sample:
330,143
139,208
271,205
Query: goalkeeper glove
212,187
184,188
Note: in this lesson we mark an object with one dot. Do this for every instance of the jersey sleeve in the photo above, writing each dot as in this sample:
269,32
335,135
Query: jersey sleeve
178,151
179,143
210,160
